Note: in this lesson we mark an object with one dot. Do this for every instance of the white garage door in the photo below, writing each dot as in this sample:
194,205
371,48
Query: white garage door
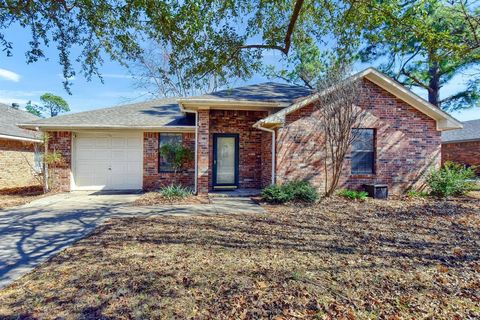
108,161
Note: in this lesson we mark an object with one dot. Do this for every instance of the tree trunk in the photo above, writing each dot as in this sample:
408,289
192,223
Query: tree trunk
434,84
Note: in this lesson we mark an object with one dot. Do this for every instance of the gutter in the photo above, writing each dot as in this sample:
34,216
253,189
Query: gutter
4,136
195,179
259,126
103,127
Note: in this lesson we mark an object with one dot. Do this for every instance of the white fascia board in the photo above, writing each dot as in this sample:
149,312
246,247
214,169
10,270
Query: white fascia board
9,137
71,127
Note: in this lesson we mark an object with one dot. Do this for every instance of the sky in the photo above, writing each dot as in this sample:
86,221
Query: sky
21,82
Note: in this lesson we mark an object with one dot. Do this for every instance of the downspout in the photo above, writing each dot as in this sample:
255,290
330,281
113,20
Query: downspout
196,153
258,126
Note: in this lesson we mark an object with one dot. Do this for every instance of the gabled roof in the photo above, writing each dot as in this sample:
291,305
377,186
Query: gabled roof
155,114
443,119
470,132
9,118
270,94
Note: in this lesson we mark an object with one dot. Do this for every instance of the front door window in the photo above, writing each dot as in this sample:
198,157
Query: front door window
226,160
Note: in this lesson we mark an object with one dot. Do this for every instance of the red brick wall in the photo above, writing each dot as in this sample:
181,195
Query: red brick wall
250,141
250,145
61,141
266,159
407,145
152,179
16,158
203,150
467,153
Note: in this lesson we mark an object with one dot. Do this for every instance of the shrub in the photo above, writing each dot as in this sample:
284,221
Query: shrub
302,191
175,192
417,194
451,180
290,191
353,194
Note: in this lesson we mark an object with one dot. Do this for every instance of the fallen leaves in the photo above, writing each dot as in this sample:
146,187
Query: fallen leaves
338,260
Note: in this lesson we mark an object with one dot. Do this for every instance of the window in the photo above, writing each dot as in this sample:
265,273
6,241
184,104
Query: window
38,162
167,138
363,151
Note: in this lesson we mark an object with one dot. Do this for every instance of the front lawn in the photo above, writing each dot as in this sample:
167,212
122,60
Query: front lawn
19,196
350,260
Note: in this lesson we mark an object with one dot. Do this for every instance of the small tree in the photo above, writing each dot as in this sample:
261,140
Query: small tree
52,105
176,154
43,170
339,113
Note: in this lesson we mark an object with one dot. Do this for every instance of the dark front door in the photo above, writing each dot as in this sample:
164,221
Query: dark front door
225,160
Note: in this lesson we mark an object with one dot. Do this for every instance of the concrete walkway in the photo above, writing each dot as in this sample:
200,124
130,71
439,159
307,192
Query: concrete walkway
32,233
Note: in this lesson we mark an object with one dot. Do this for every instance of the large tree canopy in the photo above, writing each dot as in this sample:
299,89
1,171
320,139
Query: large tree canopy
426,44
423,43
223,37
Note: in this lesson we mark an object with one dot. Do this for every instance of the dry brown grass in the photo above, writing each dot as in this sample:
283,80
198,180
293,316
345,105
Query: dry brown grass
339,260
18,196
156,198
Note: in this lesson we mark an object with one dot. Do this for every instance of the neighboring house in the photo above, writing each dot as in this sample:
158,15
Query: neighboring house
463,146
231,133
17,147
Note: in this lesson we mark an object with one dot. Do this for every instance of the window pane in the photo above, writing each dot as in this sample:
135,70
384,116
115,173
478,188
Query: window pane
363,140
362,162
363,151
168,138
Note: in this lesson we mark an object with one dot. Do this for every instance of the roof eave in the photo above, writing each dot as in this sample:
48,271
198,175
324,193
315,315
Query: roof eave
70,127
444,120
461,141
205,104
18,138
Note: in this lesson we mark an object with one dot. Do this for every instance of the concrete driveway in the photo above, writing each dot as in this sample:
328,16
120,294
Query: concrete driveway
32,233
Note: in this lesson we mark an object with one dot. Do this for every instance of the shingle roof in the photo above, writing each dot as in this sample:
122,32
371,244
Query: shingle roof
470,131
10,117
281,93
154,113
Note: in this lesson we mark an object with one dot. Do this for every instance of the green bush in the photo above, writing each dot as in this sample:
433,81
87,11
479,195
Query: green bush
175,192
451,180
353,194
290,191
417,194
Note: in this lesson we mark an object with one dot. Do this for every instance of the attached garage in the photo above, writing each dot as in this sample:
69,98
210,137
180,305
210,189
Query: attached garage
107,160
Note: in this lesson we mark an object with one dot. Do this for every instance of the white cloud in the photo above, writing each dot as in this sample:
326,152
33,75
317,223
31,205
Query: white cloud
117,76
9,75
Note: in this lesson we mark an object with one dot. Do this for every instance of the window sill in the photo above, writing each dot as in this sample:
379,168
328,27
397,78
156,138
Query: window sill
362,175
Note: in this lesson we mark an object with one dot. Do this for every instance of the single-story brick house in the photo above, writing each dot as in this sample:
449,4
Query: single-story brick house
17,148
463,146
231,134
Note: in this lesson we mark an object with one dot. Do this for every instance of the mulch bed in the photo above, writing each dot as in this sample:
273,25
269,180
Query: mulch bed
156,198
18,196
397,259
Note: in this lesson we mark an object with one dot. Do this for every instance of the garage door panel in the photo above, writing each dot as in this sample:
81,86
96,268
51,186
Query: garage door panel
134,143
133,169
134,157
102,155
102,142
118,142
108,161
119,155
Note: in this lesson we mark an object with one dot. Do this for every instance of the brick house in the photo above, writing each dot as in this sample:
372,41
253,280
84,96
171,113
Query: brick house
231,134
463,146
16,149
